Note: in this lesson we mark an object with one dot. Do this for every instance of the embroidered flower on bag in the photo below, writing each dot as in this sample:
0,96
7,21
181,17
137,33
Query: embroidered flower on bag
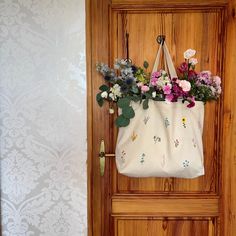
167,123
134,136
123,154
194,143
176,143
142,158
186,164
146,119
156,139
184,122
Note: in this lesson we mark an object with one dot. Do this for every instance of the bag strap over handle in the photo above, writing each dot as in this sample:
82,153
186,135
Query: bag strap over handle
167,59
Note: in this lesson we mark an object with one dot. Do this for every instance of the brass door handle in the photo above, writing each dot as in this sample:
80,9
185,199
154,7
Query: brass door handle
102,157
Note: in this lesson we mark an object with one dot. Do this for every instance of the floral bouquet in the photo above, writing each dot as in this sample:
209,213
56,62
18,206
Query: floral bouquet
128,82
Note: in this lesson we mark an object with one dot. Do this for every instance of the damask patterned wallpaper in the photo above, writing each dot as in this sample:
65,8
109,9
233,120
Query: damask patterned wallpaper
43,117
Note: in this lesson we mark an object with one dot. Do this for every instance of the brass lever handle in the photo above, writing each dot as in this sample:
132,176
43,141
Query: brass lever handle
102,157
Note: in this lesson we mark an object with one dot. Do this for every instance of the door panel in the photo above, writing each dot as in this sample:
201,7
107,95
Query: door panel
201,30
163,227
119,205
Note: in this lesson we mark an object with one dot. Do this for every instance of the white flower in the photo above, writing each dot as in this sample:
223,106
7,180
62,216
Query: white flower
104,94
111,111
217,80
193,61
111,95
154,94
189,53
185,85
115,92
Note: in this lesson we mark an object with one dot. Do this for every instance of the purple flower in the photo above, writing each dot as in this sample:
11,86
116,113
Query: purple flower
191,101
183,67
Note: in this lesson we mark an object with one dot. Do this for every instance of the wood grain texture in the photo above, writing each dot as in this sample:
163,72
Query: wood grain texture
176,207
183,30
165,207
229,129
164,227
132,4
97,43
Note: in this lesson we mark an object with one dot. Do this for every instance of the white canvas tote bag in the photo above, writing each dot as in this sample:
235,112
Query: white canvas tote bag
163,141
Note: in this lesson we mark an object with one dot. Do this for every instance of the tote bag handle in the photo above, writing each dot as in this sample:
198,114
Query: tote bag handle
168,61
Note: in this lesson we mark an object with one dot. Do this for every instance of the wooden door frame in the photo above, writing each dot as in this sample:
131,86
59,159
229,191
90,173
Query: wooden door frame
97,49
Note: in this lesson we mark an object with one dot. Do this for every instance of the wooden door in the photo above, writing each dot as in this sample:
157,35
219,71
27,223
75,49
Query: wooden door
205,206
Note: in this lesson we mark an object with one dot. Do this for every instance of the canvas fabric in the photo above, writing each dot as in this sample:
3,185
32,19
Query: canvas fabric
163,141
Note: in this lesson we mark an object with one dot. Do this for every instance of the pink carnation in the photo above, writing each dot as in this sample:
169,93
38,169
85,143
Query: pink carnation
167,89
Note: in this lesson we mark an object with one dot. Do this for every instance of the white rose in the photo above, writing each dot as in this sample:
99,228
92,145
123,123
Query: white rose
111,95
193,61
116,90
104,94
185,85
154,94
189,53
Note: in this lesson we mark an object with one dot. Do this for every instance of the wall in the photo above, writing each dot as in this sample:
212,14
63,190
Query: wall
43,117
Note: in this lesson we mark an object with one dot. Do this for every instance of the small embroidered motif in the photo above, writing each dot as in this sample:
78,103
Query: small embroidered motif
186,164
142,158
163,162
167,123
156,139
146,119
184,122
194,143
176,143
134,136
123,154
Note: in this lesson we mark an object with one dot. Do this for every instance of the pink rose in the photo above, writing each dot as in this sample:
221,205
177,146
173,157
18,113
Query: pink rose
185,85
144,88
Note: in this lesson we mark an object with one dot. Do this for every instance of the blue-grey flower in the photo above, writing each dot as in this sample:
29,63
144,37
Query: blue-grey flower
127,72
129,81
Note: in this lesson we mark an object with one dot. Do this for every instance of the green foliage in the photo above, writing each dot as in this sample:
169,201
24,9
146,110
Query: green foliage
104,88
122,121
145,64
99,99
145,104
123,102
128,112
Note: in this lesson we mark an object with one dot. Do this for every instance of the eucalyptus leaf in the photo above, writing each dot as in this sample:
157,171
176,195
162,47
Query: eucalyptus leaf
145,104
128,112
123,102
136,98
104,88
135,89
121,121
99,99
145,64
